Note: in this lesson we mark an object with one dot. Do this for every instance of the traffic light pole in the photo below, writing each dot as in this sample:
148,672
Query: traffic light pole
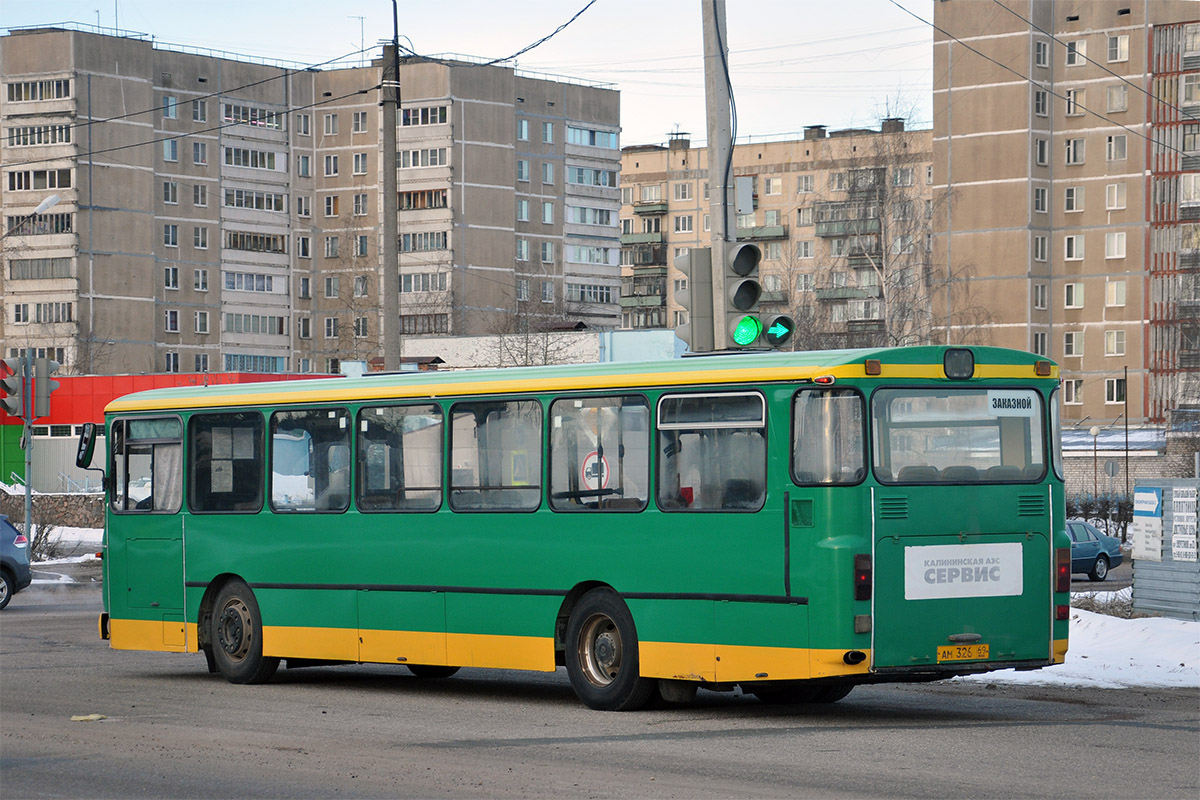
720,153
27,393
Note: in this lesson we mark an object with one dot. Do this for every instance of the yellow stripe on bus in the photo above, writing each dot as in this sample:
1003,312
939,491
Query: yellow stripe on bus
727,663
1060,651
147,634
389,391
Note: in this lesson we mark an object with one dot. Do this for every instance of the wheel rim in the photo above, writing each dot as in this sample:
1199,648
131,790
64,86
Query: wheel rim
600,650
3,589
234,629
1101,567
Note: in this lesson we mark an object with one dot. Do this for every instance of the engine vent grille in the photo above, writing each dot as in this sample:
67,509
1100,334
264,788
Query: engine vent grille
893,507
1031,505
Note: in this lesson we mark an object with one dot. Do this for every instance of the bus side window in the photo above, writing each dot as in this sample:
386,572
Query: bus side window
496,449
147,466
310,460
712,452
827,437
599,453
400,458
225,462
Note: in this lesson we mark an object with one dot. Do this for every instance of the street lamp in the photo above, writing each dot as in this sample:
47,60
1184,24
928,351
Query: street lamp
1095,432
42,208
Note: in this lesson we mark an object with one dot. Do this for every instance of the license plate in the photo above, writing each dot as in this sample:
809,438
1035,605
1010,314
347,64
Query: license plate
963,652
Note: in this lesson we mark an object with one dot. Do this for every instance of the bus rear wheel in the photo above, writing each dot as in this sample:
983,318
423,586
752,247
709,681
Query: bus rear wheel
430,670
602,654
236,636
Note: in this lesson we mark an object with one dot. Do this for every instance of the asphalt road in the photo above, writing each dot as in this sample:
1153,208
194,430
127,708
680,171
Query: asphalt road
173,730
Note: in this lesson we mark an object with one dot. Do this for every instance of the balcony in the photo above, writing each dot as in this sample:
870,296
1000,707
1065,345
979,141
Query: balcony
848,227
642,301
642,238
762,233
777,296
650,208
846,293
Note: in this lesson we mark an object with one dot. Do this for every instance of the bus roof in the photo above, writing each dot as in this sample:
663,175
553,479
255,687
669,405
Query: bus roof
895,363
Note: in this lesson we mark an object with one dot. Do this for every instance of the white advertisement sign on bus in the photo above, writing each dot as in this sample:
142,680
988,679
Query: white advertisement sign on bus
963,570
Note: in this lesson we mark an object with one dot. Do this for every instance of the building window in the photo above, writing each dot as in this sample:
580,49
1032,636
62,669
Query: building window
331,247
1073,247
1073,295
358,123
1075,151
170,192
522,289
200,237
522,130
1072,392
1041,152
331,327
804,249
303,205
199,153
547,212
1114,244
331,205
1115,148
1118,98
1039,200
1114,293
1114,196
547,172
1039,343
1041,103
360,163
331,124
1118,48
902,176
304,327
170,150
172,363
171,235
547,291
303,124
426,115
331,165
1114,343
171,321
360,245
522,249
522,210
682,191
1039,252
804,184
360,327
170,107
1041,54
1073,343
1076,53
1114,390
683,223
199,111
303,247
547,252
171,277
592,138
303,166
200,195
772,186
522,170
1073,198
1191,88
1039,293
1075,101
201,362
360,205
548,132
201,322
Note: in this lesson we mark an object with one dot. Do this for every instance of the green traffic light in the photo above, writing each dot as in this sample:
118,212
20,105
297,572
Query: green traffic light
747,330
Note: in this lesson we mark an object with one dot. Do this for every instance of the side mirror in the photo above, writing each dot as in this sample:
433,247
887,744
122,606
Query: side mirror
87,445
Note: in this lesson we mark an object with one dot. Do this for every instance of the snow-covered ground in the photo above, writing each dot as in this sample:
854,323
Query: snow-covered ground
1105,652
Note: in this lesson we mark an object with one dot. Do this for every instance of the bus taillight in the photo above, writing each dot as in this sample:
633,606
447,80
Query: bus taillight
862,576
1062,569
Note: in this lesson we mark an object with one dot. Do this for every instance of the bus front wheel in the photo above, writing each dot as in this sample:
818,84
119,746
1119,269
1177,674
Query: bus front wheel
602,654
236,636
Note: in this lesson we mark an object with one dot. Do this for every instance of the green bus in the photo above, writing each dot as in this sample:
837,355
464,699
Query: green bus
791,523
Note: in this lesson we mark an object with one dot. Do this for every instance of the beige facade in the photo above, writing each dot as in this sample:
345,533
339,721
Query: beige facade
217,214
842,219
1065,151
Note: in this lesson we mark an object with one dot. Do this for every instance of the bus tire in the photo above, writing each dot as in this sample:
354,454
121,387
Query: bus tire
785,695
602,654
236,636
832,692
430,670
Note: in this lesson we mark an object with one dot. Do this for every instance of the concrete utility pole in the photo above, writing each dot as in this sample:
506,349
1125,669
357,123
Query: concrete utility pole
720,146
389,287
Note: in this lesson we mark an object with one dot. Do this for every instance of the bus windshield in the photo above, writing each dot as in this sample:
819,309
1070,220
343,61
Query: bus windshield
958,435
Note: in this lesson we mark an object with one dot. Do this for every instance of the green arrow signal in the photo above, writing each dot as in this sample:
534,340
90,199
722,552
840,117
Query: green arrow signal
778,329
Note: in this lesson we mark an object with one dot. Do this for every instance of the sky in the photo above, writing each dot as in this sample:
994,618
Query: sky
793,63
1104,653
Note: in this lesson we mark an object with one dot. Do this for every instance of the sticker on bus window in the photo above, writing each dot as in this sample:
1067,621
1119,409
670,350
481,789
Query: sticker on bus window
963,570
1019,403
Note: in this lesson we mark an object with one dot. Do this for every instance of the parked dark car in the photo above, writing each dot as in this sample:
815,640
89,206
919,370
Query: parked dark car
14,561
1092,552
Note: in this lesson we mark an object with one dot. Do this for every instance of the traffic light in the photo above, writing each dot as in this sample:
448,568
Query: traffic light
696,299
13,384
43,368
779,330
741,326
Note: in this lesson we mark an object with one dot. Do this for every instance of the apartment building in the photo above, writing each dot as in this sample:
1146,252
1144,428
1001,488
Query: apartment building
1066,149
842,218
216,213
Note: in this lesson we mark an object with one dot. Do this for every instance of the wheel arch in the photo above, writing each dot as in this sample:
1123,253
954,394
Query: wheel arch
207,601
564,615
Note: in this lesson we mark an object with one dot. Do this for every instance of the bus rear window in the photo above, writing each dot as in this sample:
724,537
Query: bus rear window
827,437
958,436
